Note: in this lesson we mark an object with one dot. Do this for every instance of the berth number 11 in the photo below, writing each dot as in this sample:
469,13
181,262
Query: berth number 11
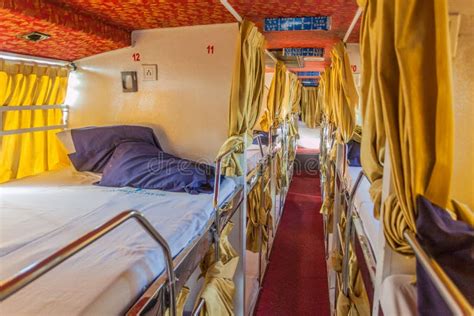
210,49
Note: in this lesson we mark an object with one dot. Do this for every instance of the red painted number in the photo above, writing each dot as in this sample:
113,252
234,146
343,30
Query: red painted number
354,68
210,49
136,57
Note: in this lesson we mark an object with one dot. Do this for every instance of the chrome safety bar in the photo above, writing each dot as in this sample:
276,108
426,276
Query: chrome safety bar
451,294
215,202
198,308
36,270
348,234
19,108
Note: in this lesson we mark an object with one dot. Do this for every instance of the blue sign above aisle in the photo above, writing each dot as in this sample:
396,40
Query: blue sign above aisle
309,23
309,51
310,82
308,73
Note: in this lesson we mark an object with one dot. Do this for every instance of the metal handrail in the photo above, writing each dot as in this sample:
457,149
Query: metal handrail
451,294
36,270
348,233
215,201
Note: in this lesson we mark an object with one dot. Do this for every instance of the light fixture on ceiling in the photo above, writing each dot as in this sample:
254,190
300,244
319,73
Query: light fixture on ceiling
313,58
34,36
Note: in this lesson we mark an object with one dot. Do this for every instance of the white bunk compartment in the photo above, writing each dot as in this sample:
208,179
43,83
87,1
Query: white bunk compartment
258,157
397,293
64,206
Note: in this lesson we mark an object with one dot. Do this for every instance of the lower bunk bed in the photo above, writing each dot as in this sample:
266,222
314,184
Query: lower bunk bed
358,234
125,271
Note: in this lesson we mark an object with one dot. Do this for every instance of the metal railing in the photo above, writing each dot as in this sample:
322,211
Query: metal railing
4,109
36,270
453,297
348,234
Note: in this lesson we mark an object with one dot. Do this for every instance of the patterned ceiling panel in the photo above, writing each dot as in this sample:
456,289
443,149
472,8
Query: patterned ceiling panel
147,14
73,36
80,28
341,12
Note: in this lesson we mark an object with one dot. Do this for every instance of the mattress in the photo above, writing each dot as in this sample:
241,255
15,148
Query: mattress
398,295
364,205
254,156
43,213
310,138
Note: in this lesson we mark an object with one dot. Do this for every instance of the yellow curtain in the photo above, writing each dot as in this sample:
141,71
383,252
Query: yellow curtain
295,87
310,107
27,154
357,302
373,129
276,94
180,302
259,214
344,96
246,94
407,43
219,288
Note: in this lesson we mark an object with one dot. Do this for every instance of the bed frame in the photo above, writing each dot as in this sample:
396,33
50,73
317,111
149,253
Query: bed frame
371,269
160,295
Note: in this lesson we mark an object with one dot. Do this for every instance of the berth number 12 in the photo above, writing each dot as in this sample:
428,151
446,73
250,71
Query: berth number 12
210,49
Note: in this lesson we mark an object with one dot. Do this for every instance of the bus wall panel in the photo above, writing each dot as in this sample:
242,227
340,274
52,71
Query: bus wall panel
188,104
463,91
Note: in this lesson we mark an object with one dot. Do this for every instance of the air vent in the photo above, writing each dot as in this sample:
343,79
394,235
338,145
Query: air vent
289,61
34,36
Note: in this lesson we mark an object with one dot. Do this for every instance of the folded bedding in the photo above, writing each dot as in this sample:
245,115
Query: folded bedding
93,146
145,166
132,156
451,243
353,154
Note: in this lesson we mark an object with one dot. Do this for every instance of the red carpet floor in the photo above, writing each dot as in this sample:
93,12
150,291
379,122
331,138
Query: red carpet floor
296,279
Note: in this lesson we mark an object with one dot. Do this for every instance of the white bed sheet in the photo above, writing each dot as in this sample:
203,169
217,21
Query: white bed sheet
365,206
399,295
254,156
41,214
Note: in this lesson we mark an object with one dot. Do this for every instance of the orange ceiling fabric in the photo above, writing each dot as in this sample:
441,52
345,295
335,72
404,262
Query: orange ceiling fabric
148,14
81,28
73,35
341,12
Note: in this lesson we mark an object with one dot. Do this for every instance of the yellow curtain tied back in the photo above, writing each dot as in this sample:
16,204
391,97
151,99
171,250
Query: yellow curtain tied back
344,94
246,94
27,154
406,89
276,94
219,288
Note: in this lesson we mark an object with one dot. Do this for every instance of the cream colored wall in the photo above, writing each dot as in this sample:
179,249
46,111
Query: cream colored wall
187,106
463,83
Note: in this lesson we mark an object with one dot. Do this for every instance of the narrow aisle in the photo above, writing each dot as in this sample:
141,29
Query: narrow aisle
296,279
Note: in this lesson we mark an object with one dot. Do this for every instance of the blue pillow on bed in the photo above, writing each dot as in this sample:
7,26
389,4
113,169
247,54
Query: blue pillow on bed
143,165
95,145
263,138
353,153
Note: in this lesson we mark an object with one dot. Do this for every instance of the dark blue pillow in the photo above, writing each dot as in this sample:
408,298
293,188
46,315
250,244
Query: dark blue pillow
145,166
353,153
95,145
451,244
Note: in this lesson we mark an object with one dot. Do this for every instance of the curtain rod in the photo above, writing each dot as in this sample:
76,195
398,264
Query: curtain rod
34,59
237,16
353,23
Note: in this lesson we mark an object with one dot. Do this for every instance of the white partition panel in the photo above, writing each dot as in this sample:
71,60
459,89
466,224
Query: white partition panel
188,104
